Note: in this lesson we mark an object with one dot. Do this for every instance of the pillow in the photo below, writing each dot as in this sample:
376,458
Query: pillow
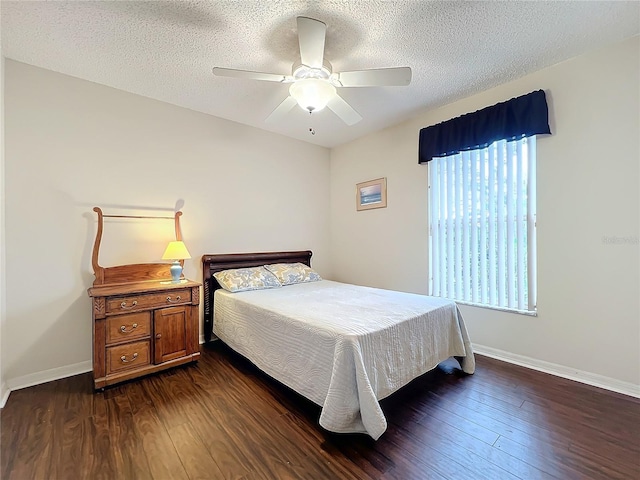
242,279
290,273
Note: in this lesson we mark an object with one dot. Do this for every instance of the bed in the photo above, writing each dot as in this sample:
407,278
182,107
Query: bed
342,346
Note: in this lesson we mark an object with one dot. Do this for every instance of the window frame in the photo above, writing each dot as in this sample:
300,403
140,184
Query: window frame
530,217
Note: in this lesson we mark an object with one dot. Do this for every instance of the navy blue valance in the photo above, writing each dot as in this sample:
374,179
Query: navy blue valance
516,118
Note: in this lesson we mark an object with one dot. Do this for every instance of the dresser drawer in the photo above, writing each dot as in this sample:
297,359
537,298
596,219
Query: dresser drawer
150,300
131,326
130,355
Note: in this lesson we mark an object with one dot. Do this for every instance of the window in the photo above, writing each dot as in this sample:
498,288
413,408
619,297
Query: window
482,214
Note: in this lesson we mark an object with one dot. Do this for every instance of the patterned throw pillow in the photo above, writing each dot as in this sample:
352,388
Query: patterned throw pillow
290,273
242,279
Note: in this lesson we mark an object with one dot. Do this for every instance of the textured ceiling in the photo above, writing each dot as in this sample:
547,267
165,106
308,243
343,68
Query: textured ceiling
166,50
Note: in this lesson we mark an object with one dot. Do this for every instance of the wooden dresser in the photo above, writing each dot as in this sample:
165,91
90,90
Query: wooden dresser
144,327
143,322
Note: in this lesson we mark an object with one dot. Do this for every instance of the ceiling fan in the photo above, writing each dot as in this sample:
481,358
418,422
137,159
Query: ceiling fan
313,83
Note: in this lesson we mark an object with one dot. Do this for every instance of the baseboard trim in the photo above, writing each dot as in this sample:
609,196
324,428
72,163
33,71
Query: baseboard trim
593,379
626,388
48,376
213,339
4,394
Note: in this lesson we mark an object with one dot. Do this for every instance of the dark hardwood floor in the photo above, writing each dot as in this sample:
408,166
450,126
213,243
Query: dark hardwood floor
222,418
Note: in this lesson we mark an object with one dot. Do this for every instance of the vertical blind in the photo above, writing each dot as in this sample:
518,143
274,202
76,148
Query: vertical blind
482,225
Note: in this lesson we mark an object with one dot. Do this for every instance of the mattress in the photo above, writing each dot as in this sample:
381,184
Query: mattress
342,346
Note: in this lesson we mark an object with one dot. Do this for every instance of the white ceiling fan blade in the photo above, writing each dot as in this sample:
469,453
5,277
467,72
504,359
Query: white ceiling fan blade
311,35
345,111
379,77
269,77
282,109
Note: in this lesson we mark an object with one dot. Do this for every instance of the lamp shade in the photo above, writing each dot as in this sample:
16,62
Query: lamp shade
176,251
312,94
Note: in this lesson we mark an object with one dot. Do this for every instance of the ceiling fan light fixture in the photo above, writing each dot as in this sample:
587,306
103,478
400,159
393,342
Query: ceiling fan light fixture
312,94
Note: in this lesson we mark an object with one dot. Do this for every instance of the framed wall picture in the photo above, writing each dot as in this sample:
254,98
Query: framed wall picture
371,194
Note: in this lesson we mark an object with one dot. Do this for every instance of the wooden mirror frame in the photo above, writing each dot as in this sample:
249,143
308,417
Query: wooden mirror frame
129,273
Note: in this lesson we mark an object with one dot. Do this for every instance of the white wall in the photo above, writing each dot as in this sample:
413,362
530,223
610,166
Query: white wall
588,318
3,386
72,145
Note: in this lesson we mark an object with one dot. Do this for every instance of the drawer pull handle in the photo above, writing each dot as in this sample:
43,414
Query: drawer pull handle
173,301
124,304
123,329
123,358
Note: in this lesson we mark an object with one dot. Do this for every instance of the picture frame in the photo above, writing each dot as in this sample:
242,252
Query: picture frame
371,194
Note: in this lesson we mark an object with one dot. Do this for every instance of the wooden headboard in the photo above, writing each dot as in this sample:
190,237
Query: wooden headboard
216,263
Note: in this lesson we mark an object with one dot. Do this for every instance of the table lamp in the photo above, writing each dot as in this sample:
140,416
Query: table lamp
176,251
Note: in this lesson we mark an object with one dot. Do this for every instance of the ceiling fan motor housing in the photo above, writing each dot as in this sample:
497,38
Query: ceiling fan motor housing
300,71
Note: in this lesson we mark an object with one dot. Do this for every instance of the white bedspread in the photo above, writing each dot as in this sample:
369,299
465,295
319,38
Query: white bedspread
344,347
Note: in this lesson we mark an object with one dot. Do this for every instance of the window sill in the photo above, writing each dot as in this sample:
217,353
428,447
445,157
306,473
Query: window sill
529,313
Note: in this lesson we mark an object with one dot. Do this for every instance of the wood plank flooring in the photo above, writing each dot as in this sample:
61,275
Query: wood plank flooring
223,419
